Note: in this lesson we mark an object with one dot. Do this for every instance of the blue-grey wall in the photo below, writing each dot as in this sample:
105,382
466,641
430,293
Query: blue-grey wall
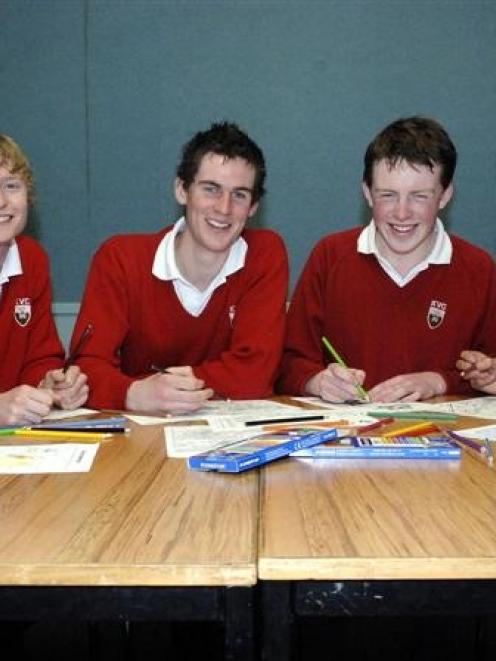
102,94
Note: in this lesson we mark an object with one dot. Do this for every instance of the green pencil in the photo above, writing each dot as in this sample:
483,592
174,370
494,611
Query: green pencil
361,391
413,415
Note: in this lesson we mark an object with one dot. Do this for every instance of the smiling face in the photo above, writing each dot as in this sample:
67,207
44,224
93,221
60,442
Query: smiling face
13,208
405,200
218,202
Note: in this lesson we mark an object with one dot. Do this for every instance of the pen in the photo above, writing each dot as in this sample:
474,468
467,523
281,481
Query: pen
274,421
84,337
361,391
81,431
421,427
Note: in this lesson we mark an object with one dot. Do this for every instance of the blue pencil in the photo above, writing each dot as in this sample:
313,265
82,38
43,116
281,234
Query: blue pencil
81,424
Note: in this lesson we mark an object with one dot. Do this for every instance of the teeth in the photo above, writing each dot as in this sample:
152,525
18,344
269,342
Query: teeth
4,217
402,228
218,224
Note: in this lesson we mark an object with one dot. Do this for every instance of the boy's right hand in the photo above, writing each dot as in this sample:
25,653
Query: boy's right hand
175,391
24,405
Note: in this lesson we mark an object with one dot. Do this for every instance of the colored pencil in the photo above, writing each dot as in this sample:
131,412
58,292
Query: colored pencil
85,336
374,425
414,415
419,428
360,389
38,433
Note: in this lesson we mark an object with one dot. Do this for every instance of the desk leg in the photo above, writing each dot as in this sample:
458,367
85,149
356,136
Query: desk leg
276,620
239,620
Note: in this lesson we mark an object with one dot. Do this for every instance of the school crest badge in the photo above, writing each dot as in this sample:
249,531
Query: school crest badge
436,314
22,311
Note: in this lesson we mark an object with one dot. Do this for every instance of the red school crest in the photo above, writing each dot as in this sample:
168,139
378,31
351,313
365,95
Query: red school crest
436,313
22,311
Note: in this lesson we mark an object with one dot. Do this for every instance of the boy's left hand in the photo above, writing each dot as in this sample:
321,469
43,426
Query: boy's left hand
69,388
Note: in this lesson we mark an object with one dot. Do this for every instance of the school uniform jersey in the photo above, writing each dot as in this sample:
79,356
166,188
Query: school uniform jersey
29,343
234,345
385,329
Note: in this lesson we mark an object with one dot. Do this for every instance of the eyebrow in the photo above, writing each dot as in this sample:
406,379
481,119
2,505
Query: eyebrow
215,183
417,190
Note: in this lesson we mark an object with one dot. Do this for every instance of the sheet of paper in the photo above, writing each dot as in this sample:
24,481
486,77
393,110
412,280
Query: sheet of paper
146,419
480,407
488,431
58,414
238,422
53,458
361,407
187,441
262,408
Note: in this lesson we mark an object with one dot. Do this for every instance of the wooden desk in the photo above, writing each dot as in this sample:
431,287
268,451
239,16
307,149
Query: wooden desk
347,537
140,535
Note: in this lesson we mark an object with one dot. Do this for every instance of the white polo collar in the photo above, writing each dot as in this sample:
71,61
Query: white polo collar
441,252
165,265
12,264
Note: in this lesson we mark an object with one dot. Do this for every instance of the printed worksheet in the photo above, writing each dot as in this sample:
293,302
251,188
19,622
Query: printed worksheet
58,414
53,458
295,417
262,408
488,432
146,419
367,406
187,441
480,407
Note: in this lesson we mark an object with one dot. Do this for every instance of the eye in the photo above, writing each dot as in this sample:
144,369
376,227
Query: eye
13,185
210,189
241,195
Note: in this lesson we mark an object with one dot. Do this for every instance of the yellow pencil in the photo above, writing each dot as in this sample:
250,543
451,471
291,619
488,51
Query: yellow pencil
420,426
39,433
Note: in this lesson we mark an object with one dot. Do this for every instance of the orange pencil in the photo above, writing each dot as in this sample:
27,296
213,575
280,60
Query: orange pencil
412,430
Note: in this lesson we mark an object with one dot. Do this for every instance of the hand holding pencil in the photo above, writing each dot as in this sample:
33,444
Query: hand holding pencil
337,382
68,385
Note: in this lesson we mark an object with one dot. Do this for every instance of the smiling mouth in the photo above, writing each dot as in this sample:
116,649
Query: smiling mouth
5,217
403,229
218,224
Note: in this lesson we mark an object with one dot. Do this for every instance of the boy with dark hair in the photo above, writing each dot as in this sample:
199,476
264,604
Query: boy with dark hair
399,299
31,378
224,139
202,303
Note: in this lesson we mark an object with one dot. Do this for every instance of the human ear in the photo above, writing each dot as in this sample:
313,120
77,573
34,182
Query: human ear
446,196
180,191
367,194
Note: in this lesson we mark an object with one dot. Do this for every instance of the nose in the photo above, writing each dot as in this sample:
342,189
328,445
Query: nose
223,203
402,210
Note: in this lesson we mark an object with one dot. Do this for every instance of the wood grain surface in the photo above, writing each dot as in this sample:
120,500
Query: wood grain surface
378,519
137,518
